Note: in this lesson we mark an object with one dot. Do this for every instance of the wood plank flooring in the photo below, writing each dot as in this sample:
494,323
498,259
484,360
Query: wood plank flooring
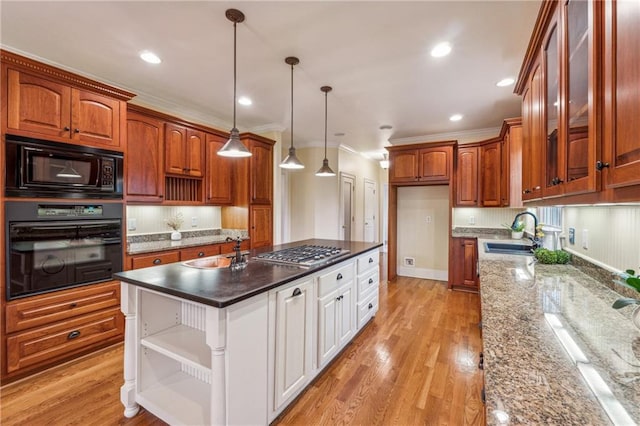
415,363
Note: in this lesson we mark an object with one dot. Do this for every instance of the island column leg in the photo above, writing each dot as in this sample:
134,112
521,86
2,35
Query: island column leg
128,390
216,340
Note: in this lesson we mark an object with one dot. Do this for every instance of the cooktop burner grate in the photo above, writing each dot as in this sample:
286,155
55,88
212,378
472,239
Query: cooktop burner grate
306,255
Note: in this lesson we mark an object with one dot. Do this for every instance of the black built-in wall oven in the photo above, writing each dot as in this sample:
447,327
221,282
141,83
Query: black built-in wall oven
52,246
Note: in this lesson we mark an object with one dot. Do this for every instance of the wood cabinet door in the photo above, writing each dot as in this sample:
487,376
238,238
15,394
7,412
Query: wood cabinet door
435,164
175,147
145,172
261,172
403,166
505,172
622,103
95,119
515,159
219,171
261,223
467,177
38,105
195,152
293,348
534,140
490,175
470,266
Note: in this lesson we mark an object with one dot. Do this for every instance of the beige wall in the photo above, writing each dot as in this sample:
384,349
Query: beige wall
426,242
613,234
152,219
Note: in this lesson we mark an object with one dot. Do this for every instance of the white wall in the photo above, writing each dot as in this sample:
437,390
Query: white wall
426,242
152,219
613,234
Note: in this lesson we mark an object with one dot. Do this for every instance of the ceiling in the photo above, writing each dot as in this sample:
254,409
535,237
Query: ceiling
375,55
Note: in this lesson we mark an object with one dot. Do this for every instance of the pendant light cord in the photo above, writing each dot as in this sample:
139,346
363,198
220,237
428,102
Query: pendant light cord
325,125
291,105
234,74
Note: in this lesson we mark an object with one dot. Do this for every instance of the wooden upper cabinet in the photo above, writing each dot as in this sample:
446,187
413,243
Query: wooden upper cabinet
421,164
145,171
219,175
505,170
467,177
261,171
511,190
48,109
184,150
490,174
533,139
621,146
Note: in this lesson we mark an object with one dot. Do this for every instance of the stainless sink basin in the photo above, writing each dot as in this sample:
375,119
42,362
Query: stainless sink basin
508,248
208,263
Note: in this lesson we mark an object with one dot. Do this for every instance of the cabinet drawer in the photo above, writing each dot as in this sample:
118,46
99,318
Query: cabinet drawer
367,283
196,252
48,342
334,279
154,259
368,261
41,310
228,247
367,309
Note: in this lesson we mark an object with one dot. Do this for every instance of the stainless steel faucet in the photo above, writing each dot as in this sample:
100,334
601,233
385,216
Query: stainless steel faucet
238,261
535,240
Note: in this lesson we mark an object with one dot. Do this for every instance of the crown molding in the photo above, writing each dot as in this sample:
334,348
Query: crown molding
466,136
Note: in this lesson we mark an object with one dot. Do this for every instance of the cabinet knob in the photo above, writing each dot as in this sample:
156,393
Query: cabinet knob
370,280
536,188
339,277
600,165
76,130
157,261
296,292
74,334
371,260
370,305
200,254
73,305
66,128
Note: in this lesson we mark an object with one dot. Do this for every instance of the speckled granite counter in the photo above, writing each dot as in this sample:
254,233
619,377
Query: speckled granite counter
529,377
164,245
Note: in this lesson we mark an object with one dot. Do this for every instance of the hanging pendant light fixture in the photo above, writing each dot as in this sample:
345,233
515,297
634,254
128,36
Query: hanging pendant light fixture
384,163
234,147
325,170
291,161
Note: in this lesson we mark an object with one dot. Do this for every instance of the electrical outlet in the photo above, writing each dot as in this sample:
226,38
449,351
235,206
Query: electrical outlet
409,261
472,220
429,219
194,222
585,239
572,236
132,224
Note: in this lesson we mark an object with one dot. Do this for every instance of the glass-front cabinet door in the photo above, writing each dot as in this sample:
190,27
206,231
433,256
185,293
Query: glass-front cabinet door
552,111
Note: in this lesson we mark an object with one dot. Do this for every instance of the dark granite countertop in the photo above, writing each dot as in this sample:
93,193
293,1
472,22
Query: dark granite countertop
223,287
530,378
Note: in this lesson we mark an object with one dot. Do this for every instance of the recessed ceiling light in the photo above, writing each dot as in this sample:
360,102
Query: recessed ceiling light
440,50
505,82
386,127
338,134
456,117
243,100
150,57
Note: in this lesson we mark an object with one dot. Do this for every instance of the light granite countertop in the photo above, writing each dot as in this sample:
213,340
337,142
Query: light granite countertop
167,244
530,378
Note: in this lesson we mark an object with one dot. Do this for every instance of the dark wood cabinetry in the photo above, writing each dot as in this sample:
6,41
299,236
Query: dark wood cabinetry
491,174
219,172
261,222
48,103
145,158
184,150
422,164
260,170
467,177
146,260
463,272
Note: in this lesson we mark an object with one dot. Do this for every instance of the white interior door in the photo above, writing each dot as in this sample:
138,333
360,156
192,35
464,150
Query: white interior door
370,209
347,196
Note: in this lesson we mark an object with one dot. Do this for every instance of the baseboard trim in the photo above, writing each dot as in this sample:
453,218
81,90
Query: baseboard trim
424,273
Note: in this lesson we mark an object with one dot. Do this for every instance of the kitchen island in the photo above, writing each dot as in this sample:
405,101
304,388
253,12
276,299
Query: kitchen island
555,352
222,346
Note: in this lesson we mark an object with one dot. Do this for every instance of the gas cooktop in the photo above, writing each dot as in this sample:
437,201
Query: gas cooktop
306,255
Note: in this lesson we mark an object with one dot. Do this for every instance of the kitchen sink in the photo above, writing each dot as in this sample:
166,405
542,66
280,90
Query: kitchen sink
508,248
208,263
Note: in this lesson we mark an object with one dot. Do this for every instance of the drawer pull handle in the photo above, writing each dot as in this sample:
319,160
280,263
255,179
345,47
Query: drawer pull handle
296,292
370,280
73,305
157,261
76,130
370,305
200,254
339,277
74,334
371,260
66,128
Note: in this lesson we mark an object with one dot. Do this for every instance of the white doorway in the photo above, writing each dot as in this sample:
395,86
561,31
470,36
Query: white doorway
370,209
347,208
385,216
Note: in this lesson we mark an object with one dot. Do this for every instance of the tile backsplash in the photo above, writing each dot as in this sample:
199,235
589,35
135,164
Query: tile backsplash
152,219
472,217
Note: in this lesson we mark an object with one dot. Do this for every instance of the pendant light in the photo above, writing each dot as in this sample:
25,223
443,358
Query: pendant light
291,161
325,170
384,163
234,147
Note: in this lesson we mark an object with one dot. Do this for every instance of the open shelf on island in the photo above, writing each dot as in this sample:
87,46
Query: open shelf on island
183,344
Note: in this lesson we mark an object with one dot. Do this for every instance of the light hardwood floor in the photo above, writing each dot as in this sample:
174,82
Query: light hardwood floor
415,363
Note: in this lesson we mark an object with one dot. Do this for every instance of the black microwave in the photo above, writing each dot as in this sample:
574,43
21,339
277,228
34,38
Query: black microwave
37,168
